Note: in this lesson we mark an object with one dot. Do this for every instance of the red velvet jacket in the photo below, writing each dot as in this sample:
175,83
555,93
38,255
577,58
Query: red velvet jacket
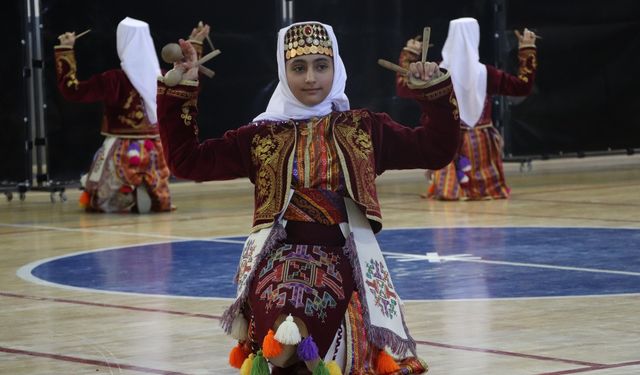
368,144
123,107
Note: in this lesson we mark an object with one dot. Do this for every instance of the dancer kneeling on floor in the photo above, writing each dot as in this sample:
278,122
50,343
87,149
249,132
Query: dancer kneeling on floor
314,291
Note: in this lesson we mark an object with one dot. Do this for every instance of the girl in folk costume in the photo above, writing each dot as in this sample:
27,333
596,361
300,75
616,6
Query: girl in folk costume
477,172
314,292
129,171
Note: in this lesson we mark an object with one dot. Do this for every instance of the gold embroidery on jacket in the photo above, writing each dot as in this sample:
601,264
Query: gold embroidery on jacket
432,95
69,58
357,144
454,103
528,64
187,109
186,116
133,118
267,154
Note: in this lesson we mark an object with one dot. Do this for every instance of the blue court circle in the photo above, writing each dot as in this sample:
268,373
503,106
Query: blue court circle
425,263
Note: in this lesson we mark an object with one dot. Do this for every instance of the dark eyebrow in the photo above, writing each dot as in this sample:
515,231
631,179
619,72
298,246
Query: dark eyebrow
319,59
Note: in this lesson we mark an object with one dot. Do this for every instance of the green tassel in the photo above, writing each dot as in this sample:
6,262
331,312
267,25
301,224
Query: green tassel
320,369
260,365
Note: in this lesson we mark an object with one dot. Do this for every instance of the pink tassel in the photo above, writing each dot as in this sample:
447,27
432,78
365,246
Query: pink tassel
148,145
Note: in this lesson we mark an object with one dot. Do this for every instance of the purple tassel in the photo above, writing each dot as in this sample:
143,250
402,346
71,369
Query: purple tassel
307,349
464,164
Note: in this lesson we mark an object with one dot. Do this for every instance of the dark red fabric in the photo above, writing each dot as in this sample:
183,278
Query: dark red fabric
370,143
312,283
123,107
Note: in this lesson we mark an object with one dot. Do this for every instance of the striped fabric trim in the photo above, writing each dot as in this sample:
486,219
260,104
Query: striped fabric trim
483,147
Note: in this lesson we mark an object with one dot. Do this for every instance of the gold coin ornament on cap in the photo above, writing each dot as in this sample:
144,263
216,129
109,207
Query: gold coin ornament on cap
307,39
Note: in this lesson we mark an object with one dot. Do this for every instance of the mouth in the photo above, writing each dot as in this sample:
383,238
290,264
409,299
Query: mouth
312,91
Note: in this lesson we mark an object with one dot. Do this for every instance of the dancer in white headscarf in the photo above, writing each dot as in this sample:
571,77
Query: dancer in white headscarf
477,171
313,288
128,172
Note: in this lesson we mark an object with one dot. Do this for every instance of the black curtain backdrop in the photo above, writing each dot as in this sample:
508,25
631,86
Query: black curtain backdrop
583,98
586,96
13,159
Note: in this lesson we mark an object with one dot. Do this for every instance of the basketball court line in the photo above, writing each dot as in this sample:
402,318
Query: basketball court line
113,232
512,214
590,365
592,368
453,258
85,361
25,272
222,238
109,305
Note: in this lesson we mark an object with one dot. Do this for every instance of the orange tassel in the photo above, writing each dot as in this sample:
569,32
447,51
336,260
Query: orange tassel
237,356
270,346
385,364
84,199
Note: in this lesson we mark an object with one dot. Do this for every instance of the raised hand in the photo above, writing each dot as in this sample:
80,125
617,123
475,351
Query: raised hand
67,39
189,63
414,46
200,32
526,39
424,71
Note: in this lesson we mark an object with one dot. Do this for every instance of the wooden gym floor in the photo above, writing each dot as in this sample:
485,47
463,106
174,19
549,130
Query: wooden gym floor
49,329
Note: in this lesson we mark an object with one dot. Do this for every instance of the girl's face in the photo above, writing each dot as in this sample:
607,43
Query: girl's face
310,78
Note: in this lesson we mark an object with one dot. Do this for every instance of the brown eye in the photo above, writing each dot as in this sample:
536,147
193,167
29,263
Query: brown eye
298,68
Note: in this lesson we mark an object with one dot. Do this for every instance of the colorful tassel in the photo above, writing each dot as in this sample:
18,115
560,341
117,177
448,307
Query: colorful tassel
133,154
239,328
237,356
148,145
125,189
260,365
333,368
385,364
464,164
247,365
462,177
308,350
84,199
270,346
320,369
288,332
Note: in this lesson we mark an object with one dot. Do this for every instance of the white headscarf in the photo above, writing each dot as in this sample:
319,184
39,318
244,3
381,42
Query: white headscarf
461,58
139,61
283,105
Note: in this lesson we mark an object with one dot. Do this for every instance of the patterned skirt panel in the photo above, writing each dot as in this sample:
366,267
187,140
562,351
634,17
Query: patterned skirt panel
482,146
310,282
129,164
310,277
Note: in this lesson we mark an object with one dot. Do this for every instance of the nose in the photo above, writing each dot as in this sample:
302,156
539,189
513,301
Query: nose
311,77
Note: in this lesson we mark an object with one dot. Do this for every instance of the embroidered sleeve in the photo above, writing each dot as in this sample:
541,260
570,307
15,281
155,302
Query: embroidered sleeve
503,83
222,158
431,145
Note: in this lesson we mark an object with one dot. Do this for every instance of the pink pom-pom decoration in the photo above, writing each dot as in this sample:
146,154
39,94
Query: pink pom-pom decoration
133,154
148,144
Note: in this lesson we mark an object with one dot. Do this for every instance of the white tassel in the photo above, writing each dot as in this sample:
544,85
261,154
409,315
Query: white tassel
239,328
288,332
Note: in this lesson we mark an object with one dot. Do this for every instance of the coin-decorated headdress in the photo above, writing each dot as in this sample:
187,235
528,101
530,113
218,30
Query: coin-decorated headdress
307,39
